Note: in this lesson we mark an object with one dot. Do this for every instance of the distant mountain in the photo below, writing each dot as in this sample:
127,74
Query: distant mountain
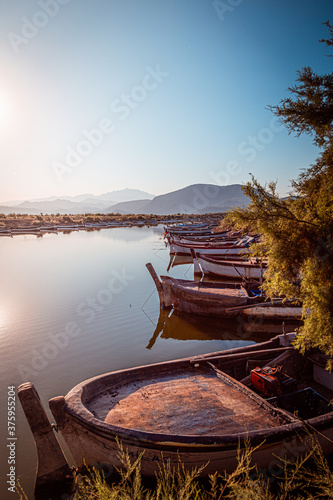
125,195
129,207
57,206
4,209
195,199
83,203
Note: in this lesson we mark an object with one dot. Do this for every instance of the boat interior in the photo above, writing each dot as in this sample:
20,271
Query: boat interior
216,395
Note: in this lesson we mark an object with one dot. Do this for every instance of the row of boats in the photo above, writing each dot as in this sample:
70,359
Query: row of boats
225,254
55,228
211,255
200,411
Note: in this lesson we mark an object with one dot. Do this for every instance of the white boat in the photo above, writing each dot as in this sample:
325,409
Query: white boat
208,265
220,247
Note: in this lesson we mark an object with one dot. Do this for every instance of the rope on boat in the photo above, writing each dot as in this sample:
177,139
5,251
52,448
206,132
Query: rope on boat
316,430
147,299
187,270
152,322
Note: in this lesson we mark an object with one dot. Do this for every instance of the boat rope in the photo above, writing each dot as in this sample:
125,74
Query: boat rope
316,430
185,274
154,290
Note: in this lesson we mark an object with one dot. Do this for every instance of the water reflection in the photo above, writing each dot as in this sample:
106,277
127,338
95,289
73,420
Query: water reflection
181,326
178,260
53,281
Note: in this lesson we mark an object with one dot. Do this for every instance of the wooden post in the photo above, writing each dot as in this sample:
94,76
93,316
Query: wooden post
51,464
157,282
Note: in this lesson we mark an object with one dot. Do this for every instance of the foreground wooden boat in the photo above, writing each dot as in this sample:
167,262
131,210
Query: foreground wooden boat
228,300
198,410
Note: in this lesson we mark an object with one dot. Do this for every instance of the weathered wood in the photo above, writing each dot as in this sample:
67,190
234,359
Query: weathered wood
226,356
51,465
157,282
162,410
218,299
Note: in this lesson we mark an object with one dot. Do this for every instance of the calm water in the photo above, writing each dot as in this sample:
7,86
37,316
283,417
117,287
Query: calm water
75,305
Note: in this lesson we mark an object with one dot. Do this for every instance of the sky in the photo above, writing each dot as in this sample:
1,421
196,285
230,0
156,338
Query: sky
101,95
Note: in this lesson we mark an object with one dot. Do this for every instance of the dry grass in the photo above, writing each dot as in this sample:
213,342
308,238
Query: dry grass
309,477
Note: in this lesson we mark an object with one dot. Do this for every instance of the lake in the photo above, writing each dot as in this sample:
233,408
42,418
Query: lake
76,305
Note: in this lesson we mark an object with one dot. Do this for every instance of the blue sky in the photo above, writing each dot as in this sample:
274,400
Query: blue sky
151,94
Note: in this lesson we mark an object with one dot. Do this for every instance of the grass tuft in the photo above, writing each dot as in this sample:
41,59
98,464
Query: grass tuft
306,477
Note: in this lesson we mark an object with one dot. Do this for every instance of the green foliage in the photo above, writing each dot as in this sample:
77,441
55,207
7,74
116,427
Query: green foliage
297,232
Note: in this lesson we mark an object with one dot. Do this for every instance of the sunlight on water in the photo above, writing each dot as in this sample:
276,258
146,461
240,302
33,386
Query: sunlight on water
76,305
3,317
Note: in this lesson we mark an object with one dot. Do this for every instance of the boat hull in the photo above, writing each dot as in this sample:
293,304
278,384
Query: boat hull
92,438
89,447
225,301
201,298
228,269
182,249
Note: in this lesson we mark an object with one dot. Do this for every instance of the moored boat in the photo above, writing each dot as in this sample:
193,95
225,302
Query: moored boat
25,230
199,410
5,232
209,265
228,300
225,248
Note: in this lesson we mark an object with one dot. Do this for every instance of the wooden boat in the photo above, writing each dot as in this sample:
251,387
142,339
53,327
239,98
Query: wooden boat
191,231
197,410
211,238
180,228
69,227
228,300
209,265
25,230
223,236
177,260
208,248
48,229
5,232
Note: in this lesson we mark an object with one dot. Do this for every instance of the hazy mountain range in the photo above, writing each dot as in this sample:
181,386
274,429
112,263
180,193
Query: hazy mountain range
194,199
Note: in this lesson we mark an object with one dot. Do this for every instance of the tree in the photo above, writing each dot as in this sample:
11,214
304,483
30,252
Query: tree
298,230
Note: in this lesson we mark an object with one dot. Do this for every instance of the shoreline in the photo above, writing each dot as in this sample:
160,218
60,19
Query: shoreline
13,224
